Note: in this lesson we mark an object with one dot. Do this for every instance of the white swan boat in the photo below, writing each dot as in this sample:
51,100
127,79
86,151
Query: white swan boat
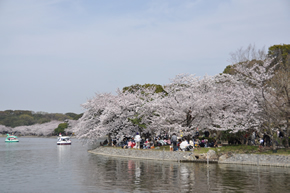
63,140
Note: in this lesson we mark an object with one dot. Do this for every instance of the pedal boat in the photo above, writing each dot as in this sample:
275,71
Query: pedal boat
11,139
63,140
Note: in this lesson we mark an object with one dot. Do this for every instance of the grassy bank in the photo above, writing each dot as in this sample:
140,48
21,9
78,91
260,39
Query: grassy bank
234,149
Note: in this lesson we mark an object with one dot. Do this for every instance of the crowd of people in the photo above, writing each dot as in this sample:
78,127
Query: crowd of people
183,144
175,142
141,143
187,143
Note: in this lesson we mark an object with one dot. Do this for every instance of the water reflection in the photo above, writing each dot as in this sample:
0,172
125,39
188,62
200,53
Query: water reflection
259,178
63,152
129,175
39,165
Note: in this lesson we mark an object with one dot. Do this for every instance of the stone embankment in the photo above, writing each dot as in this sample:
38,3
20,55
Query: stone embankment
256,159
211,157
151,154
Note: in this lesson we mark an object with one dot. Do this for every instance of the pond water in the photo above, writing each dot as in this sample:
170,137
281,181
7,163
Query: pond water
39,165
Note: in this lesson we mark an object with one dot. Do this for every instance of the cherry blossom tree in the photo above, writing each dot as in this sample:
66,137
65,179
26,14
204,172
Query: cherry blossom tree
272,101
112,115
217,103
220,103
279,105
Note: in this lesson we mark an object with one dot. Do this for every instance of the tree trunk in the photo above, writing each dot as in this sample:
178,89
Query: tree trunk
218,135
247,140
211,132
287,135
287,139
274,147
109,140
287,142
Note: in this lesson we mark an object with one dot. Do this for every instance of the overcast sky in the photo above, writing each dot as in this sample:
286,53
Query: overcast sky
56,54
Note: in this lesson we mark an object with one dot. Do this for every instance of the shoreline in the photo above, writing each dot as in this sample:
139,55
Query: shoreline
34,136
30,136
179,156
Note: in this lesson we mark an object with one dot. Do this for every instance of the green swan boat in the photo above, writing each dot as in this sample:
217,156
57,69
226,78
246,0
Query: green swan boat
11,138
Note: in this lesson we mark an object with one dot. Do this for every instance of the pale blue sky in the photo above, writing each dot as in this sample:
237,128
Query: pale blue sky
56,54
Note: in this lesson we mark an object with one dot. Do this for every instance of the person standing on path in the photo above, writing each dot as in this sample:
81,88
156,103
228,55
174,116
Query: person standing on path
174,141
137,140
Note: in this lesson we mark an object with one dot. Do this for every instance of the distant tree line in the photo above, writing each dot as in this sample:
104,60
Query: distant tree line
16,118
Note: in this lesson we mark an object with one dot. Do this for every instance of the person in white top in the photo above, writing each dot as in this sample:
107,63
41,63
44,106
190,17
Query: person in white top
184,144
261,142
137,140
191,143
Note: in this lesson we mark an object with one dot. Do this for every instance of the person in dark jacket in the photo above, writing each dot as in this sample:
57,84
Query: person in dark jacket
174,141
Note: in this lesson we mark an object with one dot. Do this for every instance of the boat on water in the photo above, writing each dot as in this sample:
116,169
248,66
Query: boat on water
63,140
11,138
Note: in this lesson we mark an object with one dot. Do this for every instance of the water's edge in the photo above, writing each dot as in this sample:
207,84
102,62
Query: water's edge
179,156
